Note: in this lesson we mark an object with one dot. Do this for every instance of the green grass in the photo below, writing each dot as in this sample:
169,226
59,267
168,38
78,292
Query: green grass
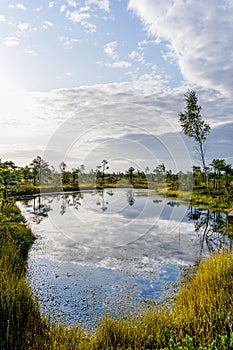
201,317
20,323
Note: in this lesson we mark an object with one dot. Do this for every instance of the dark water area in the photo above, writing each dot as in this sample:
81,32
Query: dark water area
113,251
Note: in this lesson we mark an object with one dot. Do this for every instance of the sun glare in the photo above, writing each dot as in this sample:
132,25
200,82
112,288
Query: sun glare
13,98
8,85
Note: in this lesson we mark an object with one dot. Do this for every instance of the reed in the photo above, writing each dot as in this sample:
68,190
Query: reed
21,325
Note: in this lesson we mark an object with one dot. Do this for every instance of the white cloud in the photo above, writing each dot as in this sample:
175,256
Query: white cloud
80,17
199,37
2,18
47,24
51,4
31,52
137,56
23,26
110,49
68,42
109,114
89,27
119,64
84,8
77,16
11,41
71,3
62,8
102,4
18,6
84,13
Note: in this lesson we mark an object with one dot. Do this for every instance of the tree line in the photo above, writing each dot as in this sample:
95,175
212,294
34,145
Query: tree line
40,173
215,178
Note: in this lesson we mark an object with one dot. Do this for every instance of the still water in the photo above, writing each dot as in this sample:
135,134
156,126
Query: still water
112,251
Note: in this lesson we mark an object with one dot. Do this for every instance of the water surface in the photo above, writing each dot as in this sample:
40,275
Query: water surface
111,251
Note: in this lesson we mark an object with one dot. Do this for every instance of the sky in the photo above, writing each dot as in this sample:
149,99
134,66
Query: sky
87,80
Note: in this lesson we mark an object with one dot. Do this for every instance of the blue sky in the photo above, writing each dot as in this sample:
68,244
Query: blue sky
69,66
53,44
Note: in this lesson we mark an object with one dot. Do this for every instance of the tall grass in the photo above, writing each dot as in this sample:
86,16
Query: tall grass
21,326
204,307
201,316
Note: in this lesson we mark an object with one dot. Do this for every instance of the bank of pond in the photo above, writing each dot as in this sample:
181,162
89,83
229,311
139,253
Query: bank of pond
114,269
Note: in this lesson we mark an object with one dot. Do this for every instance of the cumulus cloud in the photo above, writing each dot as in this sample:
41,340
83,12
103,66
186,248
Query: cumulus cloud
62,8
77,16
137,56
71,3
18,6
11,41
119,64
106,120
68,42
199,37
23,26
102,4
47,24
82,18
110,49
90,123
85,15
51,4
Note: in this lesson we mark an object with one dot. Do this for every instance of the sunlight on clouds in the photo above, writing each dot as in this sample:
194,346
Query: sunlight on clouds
197,36
7,84
105,120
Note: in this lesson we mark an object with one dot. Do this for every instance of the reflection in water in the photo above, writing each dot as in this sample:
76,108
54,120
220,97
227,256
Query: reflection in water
96,249
173,203
127,216
130,197
211,229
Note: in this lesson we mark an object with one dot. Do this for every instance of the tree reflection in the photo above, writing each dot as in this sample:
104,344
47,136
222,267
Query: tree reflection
130,197
101,200
211,228
73,200
173,203
63,205
39,207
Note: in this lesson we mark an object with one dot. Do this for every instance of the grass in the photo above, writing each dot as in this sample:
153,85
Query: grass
20,321
201,317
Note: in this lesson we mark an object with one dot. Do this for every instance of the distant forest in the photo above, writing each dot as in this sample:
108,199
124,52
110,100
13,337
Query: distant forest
40,174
